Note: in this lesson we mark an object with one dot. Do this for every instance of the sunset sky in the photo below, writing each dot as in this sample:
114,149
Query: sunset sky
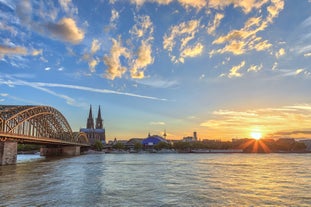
223,68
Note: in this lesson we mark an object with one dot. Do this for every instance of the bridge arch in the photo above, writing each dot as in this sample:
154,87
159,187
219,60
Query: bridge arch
37,122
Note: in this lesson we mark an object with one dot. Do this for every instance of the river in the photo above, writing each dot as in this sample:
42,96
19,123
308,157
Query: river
159,180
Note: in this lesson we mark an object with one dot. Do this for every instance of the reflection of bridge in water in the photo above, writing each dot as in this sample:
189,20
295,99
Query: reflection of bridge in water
42,125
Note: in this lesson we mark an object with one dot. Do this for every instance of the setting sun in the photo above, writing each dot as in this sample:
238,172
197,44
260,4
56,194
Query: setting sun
256,135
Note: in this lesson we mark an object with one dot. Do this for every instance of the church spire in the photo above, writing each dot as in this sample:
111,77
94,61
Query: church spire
99,120
90,120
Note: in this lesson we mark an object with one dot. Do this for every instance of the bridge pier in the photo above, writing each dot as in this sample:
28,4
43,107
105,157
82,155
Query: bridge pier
59,151
8,153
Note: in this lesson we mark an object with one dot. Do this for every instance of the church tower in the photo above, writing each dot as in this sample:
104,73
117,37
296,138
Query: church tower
99,120
90,120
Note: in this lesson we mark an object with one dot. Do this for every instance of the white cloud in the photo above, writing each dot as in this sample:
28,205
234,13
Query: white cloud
157,123
157,82
68,7
11,81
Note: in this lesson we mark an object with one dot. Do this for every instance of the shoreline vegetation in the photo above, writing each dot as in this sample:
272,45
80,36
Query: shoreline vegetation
284,145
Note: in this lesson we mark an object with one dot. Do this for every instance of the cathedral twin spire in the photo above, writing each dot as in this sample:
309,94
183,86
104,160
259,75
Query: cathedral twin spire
90,120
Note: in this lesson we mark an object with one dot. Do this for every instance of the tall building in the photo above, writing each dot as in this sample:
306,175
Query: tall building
96,132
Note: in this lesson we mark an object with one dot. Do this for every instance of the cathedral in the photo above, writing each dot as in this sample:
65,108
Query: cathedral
96,132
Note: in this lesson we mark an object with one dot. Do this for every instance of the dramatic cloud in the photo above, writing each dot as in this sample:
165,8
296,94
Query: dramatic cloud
239,41
234,72
268,120
182,34
66,30
115,69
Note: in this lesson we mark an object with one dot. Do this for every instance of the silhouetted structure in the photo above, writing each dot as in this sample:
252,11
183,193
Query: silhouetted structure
97,132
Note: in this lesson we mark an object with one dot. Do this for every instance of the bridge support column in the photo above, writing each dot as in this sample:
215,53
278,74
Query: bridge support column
50,151
8,153
59,151
71,150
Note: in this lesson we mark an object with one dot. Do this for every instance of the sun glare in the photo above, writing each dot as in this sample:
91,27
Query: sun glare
256,135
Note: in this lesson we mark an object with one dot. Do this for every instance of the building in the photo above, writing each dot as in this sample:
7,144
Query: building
194,138
97,131
150,141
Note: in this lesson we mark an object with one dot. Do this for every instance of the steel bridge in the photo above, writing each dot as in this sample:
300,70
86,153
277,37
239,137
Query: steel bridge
37,124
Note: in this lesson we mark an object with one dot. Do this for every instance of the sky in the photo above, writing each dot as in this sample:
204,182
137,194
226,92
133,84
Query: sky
223,68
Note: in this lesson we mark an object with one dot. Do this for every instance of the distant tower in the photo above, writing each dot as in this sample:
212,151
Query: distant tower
195,136
99,120
90,120
164,135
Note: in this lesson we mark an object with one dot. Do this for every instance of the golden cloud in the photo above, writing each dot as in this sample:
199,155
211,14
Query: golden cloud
213,26
95,46
183,34
92,64
144,58
255,68
234,72
280,53
239,41
115,69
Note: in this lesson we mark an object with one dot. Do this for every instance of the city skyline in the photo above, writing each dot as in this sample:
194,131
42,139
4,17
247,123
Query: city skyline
225,69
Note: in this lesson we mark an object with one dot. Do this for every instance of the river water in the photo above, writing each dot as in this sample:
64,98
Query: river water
159,180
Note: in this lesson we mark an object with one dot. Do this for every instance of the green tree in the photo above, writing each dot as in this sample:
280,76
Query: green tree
138,146
98,145
162,145
119,146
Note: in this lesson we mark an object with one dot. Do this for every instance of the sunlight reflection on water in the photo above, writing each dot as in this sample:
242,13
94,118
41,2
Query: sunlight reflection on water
160,180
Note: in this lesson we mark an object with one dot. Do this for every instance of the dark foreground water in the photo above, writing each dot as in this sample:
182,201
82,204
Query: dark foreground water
159,180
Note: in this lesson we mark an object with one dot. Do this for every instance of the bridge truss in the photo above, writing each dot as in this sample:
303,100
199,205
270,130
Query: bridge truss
37,124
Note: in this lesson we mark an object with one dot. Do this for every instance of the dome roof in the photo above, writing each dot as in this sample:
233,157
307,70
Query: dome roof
152,140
